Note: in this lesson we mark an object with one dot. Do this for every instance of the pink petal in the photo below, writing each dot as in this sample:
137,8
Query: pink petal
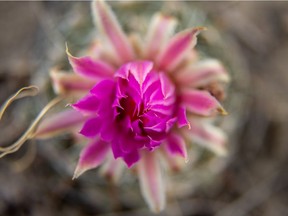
176,49
167,88
100,49
108,131
95,49
107,22
207,135
91,128
201,103
176,145
151,181
67,120
170,123
139,69
203,73
116,150
91,157
89,68
131,158
182,117
89,104
103,89
127,144
158,127
70,83
159,32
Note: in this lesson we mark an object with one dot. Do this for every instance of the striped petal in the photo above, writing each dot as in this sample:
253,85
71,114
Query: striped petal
159,32
69,83
201,103
89,68
207,135
171,162
107,22
202,73
112,169
91,157
67,120
177,48
167,88
151,181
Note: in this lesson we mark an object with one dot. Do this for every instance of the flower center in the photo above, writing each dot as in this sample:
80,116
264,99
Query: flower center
145,101
135,110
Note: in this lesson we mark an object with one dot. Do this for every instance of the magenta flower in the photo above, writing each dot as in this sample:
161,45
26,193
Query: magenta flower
143,98
131,111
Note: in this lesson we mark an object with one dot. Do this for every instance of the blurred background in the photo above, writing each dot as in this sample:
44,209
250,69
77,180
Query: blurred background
249,37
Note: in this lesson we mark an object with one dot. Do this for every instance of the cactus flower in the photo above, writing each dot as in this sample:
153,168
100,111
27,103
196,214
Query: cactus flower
140,97
145,101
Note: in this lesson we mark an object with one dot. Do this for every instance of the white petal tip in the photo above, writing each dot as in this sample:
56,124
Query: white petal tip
78,172
67,50
186,160
200,28
221,151
222,111
157,209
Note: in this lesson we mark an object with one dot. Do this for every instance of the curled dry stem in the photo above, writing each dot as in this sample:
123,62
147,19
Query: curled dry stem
29,133
23,92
